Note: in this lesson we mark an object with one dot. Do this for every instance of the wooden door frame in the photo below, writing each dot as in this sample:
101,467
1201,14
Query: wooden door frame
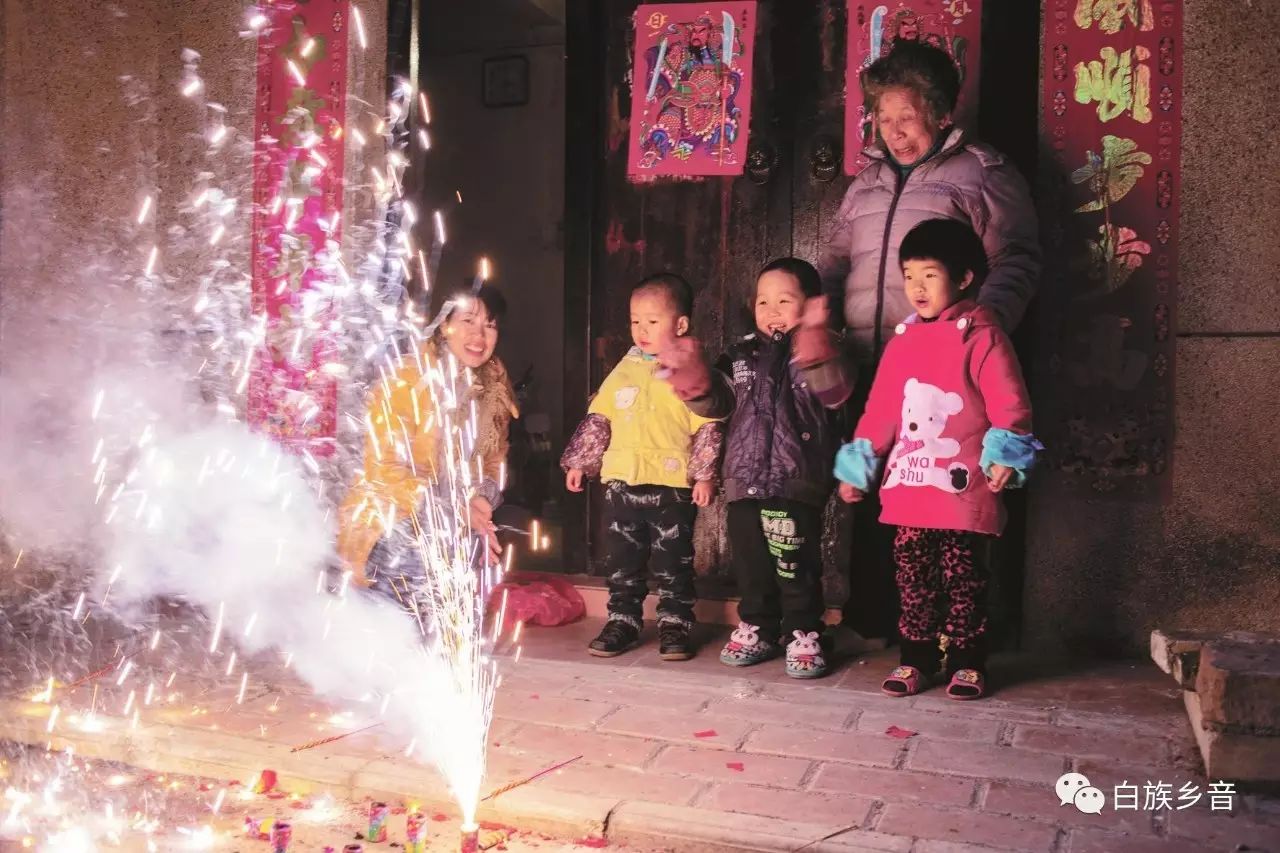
585,87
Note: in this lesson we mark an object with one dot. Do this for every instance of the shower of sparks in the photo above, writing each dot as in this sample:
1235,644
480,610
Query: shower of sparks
146,208
296,72
359,19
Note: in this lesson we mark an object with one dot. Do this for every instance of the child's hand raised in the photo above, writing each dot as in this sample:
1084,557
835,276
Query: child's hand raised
573,479
849,494
703,492
684,368
811,342
999,478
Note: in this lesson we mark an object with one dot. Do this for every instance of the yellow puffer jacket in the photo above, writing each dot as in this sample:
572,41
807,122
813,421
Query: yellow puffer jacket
401,410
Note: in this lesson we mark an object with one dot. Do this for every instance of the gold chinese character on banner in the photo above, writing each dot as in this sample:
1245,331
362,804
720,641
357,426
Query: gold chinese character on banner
1111,14
1119,82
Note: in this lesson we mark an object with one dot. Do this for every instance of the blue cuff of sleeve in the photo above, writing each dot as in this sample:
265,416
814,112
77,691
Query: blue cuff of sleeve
1002,447
858,465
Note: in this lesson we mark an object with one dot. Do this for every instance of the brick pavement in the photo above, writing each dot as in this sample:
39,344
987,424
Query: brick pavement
697,756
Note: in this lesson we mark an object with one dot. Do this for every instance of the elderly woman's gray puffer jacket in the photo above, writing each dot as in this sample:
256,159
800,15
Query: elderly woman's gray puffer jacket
964,180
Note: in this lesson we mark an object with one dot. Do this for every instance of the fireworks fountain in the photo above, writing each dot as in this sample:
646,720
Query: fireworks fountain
185,501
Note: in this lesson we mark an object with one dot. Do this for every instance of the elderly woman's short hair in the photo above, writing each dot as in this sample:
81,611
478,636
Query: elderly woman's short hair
921,68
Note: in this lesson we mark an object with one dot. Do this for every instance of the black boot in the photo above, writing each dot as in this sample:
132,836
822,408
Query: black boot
615,638
674,642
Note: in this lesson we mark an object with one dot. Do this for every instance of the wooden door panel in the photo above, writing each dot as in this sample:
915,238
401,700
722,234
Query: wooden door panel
716,232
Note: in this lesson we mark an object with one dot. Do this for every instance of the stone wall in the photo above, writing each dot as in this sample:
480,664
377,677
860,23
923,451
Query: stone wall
92,120
1101,575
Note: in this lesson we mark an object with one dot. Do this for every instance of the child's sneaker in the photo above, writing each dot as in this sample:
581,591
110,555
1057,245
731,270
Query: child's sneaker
674,642
804,656
615,638
745,648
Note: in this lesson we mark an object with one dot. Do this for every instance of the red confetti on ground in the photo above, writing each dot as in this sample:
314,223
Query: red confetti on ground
894,731
707,733
735,765
534,696
440,818
399,810
597,843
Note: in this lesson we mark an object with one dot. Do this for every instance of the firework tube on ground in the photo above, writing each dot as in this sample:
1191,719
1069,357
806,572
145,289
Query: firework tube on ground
415,833
259,829
378,813
281,835
469,839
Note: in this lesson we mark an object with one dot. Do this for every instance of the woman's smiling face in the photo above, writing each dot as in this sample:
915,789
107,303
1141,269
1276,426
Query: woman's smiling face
471,333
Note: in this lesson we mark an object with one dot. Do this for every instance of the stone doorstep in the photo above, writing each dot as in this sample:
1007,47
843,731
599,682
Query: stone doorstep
683,828
221,755
200,752
1178,653
1238,684
1252,761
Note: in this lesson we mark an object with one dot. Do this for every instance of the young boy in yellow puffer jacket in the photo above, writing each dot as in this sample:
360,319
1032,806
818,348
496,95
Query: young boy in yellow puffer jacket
658,461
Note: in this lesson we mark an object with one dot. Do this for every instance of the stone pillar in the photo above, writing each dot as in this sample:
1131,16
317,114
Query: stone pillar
1100,575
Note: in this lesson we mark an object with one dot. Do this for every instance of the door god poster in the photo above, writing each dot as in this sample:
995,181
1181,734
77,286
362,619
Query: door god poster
691,89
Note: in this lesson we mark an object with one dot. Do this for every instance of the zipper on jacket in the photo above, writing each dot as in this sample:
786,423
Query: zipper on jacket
884,259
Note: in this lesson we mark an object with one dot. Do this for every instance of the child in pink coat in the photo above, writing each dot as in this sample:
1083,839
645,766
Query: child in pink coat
949,423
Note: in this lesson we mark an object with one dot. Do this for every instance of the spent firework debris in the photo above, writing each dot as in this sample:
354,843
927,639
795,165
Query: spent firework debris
511,786
331,739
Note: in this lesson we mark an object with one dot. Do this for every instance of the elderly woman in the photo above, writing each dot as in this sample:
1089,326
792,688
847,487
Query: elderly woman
470,333
924,168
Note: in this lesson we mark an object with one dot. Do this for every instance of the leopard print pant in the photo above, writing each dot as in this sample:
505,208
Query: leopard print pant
942,585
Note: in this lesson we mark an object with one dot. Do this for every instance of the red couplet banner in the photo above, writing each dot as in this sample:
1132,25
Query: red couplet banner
1112,119
691,89
297,201
874,28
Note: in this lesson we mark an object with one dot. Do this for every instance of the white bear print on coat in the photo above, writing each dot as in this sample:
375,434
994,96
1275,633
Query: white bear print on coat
914,460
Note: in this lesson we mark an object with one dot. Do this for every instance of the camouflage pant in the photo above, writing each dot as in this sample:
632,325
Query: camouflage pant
649,527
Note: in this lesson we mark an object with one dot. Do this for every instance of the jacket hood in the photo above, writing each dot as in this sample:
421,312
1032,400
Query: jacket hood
973,315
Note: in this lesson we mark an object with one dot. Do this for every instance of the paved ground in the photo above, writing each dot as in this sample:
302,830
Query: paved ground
697,756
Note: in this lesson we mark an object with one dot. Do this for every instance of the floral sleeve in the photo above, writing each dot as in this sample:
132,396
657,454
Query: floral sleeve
704,456
586,448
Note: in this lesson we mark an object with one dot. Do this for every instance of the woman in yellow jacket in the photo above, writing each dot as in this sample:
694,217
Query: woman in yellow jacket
402,446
